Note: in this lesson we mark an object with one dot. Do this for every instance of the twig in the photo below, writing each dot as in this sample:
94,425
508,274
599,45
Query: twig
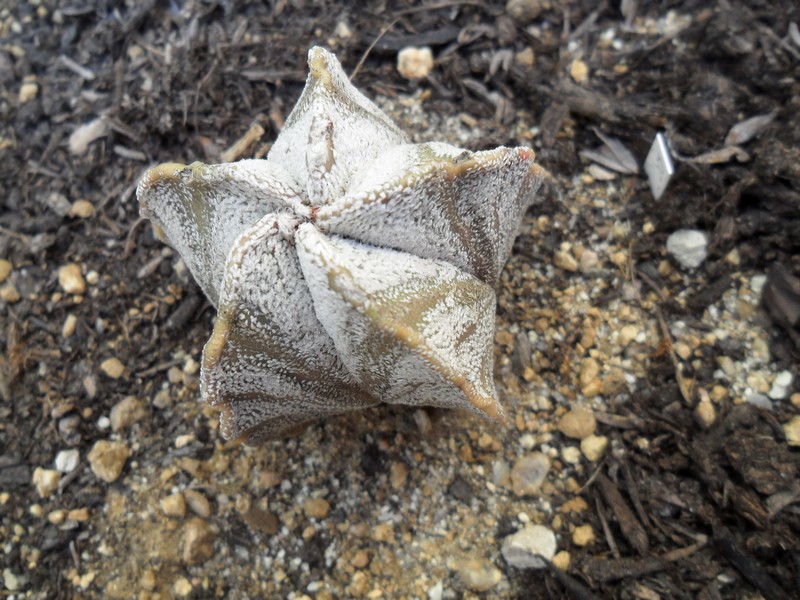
370,47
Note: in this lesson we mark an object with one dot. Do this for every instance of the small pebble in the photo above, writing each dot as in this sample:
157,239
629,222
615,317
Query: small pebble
564,260
173,505
83,209
583,535
316,508
45,481
107,459
589,261
760,401
478,574
689,247
112,367
398,473
9,293
126,412
594,447
705,413
791,429
71,279
5,269
523,549
525,11
182,587
529,473
579,71
69,326
28,90
67,460
561,560
578,423
414,63
501,473
781,386
197,503
589,371
198,542
571,454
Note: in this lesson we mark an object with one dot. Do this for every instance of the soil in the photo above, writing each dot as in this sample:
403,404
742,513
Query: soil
694,492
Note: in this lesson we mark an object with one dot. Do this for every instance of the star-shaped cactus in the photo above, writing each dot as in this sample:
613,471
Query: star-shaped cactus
349,268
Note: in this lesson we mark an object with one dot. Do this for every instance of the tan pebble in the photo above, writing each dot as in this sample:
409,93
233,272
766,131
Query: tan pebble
478,574
564,260
705,413
45,481
28,90
316,508
574,505
360,559
107,459
758,382
398,473
36,510
578,423
594,447
761,350
184,440
620,258
791,429
529,473
589,370
5,269
795,399
525,11
9,293
683,350
383,532
126,412
504,338
718,394
579,71
589,261
571,455
359,585
57,517
112,367
175,375
191,366
78,514
82,209
561,561
648,228
488,443
525,58
71,279
182,587
92,277
69,326
589,336
148,580
197,503
727,365
268,479
733,258
198,542
628,334
414,63
173,505
583,535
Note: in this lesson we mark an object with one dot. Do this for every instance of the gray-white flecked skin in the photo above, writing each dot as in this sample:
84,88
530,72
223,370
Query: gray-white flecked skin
349,268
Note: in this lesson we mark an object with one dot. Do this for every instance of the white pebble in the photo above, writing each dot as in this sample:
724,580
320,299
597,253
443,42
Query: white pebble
67,460
781,385
526,548
689,247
